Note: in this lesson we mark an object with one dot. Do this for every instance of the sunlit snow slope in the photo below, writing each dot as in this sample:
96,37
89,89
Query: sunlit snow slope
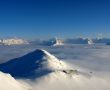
7,82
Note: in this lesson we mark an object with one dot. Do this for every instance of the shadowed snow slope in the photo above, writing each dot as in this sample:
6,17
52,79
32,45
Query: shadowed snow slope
32,65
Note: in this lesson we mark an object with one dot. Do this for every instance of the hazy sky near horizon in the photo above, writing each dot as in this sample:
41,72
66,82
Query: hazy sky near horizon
51,18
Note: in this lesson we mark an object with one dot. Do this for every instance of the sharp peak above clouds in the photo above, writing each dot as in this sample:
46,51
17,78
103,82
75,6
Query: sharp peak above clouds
33,64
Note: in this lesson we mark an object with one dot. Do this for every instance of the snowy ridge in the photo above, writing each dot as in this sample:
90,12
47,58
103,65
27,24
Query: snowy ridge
52,63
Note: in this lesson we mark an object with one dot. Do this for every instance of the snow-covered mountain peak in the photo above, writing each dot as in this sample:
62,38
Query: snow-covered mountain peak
90,41
57,42
34,64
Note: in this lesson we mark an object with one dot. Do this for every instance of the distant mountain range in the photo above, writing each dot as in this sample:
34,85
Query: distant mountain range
55,41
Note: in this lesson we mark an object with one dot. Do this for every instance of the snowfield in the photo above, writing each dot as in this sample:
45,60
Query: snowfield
7,82
66,67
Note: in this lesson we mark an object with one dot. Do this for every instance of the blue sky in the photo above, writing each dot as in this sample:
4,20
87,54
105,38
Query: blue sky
50,18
